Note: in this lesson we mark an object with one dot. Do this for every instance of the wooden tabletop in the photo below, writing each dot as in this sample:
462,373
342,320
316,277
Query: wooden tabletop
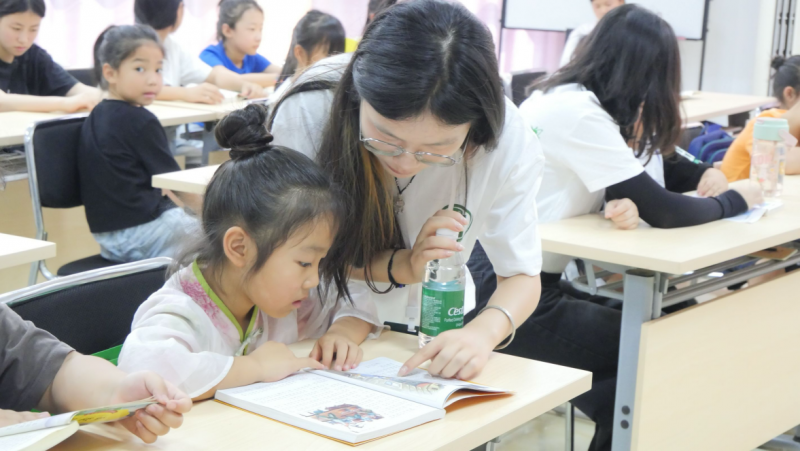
219,110
188,181
16,250
674,251
538,387
707,105
14,124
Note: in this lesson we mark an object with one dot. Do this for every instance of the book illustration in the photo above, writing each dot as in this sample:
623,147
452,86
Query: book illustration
348,415
397,383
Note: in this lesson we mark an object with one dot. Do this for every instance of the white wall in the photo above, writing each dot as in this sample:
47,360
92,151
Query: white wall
738,48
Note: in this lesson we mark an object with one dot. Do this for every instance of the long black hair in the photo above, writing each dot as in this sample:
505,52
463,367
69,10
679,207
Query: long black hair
787,74
8,7
159,14
631,62
269,191
417,56
116,43
314,29
231,11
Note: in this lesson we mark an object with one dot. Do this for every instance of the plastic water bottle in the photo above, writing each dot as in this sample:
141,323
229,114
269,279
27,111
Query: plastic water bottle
768,162
442,294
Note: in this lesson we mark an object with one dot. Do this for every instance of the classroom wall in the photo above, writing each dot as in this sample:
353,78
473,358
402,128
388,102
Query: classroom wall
70,28
738,48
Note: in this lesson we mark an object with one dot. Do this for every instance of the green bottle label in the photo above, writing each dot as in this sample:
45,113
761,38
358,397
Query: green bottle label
441,311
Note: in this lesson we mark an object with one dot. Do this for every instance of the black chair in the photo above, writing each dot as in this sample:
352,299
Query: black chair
522,84
85,76
51,150
90,311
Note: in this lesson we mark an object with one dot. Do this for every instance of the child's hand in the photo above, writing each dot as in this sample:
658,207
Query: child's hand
203,93
84,101
157,419
623,213
713,183
751,192
252,91
276,361
9,417
348,353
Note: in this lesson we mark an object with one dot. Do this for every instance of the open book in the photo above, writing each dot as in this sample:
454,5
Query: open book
47,432
357,406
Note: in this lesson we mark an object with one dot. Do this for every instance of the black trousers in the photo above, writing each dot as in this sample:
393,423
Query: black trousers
568,328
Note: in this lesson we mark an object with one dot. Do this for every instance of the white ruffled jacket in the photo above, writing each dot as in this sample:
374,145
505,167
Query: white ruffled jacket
186,334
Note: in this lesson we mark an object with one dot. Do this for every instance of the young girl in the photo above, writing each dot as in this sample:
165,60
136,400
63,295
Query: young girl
316,36
239,33
622,88
786,88
182,68
29,78
600,9
270,221
418,110
122,146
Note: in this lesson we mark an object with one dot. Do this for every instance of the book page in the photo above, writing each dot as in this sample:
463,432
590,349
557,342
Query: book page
418,386
35,425
37,440
323,405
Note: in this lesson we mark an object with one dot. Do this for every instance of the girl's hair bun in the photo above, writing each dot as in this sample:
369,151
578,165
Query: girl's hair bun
777,62
244,132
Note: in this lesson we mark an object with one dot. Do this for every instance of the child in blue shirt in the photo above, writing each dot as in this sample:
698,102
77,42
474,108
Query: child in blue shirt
239,33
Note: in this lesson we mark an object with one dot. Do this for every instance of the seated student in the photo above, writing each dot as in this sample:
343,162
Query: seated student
122,146
239,32
39,372
316,36
270,220
600,8
786,88
180,67
29,78
626,71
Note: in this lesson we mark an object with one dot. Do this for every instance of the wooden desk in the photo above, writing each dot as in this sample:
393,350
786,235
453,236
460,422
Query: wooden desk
190,181
707,105
14,124
715,352
212,426
219,111
674,251
16,250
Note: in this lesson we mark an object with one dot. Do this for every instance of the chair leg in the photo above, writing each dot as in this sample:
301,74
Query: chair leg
491,445
569,417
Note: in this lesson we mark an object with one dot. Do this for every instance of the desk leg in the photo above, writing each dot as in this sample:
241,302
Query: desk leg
209,142
637,308
569,419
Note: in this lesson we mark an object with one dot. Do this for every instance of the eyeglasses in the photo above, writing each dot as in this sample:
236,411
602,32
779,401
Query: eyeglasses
379,147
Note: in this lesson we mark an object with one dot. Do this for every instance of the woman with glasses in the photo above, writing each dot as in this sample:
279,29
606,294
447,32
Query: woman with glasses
417,111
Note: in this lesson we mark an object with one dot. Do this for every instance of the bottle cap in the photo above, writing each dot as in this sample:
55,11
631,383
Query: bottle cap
453,235
768,128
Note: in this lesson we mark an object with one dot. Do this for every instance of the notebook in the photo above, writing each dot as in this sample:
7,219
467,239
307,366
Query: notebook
357,406
47,432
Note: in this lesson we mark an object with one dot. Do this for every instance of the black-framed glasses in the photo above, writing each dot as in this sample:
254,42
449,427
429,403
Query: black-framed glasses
379,147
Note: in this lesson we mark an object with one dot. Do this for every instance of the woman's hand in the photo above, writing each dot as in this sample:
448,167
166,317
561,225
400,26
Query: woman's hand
459,353
429,247
713,183
623,213
752,193
157,419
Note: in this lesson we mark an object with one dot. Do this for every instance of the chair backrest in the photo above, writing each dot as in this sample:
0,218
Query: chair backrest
51,149
522,84
90,311
85,76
